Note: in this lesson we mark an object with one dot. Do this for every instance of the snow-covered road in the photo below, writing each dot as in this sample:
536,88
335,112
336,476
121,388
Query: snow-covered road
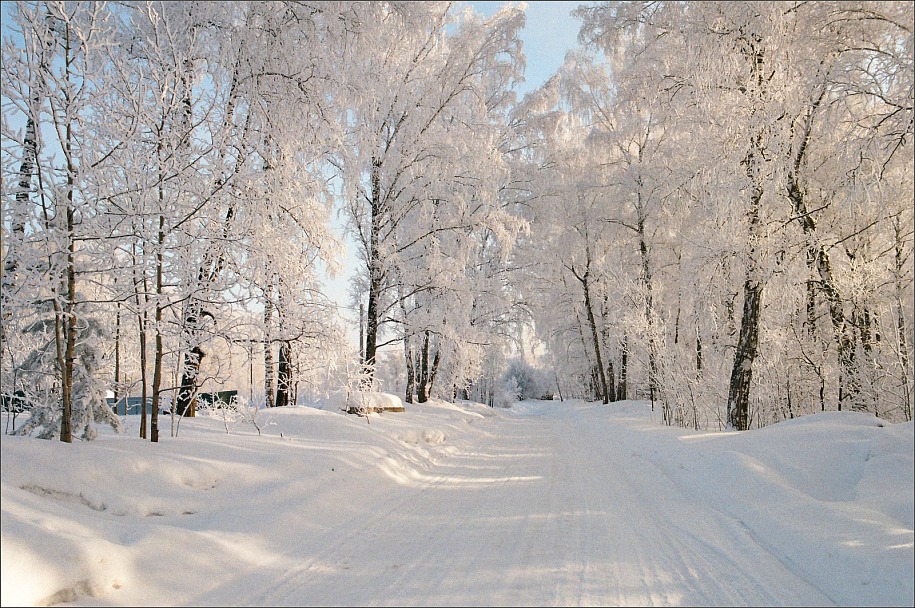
554,505
547,504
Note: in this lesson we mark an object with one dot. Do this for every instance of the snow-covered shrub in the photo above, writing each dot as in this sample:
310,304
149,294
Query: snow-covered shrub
239,409
523,381
506,392
88,404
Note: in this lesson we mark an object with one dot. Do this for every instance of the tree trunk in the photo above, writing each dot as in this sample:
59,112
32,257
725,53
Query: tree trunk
375,272
362,333
433,371
738,408
738,416
611,379
902,341
269,378
117,359
66,428
605,335
141,323
622,391
411,370
160,351
422,394
818,257
410,383
284,376
698,353
601,376
649,307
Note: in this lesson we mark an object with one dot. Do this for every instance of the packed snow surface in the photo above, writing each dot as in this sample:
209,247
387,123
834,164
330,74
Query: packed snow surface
545,503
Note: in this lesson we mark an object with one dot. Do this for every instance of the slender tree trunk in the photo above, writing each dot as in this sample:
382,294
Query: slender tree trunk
410,384
362,333
422,394
818,259
411,370
159,354
141,328
269,378
622,392
649,306
66,429
284,376
433,370
605,335
186,403
698,353
869,335
811,302
903,348
117,358
589,311
375,272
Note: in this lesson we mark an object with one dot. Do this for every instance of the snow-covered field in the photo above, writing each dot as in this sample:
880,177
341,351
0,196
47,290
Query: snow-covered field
546,503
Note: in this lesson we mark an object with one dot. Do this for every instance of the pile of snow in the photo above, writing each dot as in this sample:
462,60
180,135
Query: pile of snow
381,402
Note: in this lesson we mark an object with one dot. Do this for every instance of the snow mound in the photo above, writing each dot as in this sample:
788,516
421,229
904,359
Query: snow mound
372,402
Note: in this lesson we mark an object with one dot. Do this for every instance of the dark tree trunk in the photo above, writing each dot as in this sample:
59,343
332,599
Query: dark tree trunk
157,364
611,379
284,376
411,370
622,391
375,272
605,334
433,371
141,329
422,391
902,341
738,416
66,428
214,259
601,376
698,354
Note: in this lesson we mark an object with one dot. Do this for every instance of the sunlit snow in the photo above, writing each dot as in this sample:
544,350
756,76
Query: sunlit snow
545,503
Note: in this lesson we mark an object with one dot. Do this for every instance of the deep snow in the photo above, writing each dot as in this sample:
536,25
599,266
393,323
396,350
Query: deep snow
546,503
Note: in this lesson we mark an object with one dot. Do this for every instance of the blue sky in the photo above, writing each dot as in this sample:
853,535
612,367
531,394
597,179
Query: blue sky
549,32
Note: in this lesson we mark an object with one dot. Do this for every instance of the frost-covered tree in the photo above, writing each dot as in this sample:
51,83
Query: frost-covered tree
775,111
49,80
425,175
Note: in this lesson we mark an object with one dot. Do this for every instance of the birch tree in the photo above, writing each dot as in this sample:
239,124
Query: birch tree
424,169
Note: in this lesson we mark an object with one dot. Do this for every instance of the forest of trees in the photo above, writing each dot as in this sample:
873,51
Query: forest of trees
709,206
